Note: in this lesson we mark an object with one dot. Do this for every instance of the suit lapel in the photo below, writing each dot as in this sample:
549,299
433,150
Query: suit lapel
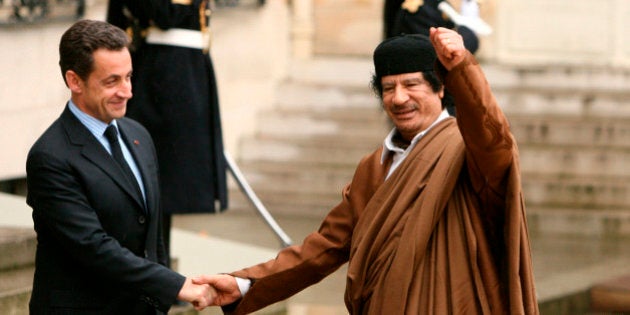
92,150
141,152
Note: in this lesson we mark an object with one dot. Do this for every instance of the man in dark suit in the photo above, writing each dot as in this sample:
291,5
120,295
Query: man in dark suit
100,248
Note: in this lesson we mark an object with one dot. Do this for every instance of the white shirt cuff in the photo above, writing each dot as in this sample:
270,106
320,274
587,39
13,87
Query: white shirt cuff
243,285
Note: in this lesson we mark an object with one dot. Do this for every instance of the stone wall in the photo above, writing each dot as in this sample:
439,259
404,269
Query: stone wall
573,32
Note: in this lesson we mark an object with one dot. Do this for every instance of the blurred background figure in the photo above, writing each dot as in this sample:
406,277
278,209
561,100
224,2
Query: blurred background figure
228,3
417,16
175,98
29,9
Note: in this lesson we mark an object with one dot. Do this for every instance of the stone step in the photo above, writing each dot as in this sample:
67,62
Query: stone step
295,204
514,98
553,220
559,90
335,124
592,131
575,160
570,191
559,78
601,223
556,130
349,114
357,72
544,193
311,189
569,103
594,191
15,302
605,198
296,94
558,160
544,147
296,176
332,71
18,246
17,266
574,91
342,152
552,128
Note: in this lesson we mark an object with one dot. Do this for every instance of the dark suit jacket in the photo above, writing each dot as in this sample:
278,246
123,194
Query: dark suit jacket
99,249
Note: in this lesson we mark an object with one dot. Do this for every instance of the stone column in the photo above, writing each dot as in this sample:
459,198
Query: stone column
303,29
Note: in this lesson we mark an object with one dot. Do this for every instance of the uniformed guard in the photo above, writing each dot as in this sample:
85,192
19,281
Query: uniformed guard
418,16
175,98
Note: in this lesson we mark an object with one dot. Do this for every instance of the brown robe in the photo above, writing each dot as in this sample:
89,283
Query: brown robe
444,234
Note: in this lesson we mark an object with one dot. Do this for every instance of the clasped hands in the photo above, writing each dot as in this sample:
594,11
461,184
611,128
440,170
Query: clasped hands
209,290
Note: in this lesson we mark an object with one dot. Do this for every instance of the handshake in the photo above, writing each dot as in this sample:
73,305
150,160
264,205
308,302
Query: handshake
210,290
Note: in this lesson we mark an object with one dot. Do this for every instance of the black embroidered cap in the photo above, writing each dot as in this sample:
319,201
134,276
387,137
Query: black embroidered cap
404,54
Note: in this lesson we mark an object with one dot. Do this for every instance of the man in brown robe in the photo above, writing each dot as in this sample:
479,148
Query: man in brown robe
433,222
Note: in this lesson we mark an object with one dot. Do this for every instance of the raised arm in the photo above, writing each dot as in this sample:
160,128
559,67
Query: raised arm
489,143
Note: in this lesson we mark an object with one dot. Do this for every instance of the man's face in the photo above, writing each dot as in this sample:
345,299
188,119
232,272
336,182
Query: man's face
105,93
410,102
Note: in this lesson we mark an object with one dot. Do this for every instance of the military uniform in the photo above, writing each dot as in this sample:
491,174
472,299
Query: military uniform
175,98
417,17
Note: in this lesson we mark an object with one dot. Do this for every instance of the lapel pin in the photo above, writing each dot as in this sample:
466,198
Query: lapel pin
136,142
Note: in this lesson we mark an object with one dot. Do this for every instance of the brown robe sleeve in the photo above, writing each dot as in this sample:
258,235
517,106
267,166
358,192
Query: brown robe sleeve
321,253
490,146
483,126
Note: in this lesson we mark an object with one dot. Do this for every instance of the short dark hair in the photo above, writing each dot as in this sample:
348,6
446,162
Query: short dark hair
79,42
